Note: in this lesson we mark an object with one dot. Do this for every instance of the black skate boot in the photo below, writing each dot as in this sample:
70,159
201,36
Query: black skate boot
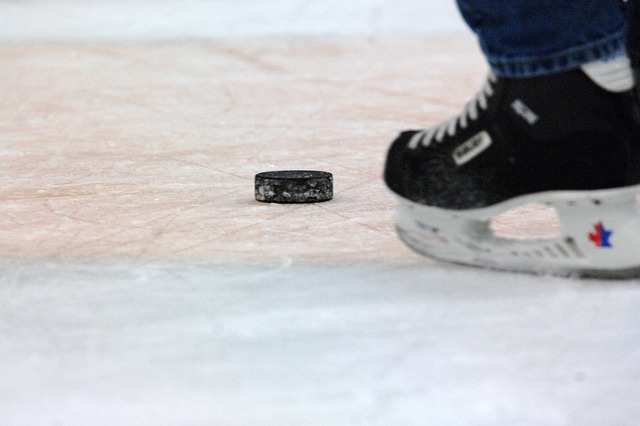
568,141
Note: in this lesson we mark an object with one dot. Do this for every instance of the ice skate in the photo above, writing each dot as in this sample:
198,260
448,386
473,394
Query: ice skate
539,174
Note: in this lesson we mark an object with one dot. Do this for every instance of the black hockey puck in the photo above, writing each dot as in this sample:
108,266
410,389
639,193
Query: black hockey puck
294,186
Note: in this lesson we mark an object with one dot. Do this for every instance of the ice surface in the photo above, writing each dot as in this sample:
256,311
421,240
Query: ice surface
172,19
129,343
289,342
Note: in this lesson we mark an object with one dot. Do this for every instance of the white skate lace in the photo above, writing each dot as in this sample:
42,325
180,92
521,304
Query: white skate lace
449,127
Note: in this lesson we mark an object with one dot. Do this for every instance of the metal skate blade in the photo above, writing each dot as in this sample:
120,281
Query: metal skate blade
569,233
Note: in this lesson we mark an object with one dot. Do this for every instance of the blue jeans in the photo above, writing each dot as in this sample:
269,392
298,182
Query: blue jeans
522,38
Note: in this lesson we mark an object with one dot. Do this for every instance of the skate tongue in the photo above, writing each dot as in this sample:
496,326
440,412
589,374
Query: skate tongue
614,75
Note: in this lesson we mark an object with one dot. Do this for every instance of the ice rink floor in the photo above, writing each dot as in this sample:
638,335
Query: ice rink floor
141,283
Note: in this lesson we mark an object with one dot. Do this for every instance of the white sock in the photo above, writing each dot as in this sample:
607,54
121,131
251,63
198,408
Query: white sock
613,74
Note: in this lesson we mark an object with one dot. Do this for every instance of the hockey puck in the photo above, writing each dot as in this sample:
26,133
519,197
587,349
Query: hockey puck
294,186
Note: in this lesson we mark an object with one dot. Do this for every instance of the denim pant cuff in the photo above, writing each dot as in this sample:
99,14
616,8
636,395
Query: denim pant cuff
557,62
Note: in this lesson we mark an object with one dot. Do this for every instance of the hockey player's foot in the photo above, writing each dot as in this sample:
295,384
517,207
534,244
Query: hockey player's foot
569,141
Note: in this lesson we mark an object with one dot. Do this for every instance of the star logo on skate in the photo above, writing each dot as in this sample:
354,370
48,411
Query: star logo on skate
601,236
